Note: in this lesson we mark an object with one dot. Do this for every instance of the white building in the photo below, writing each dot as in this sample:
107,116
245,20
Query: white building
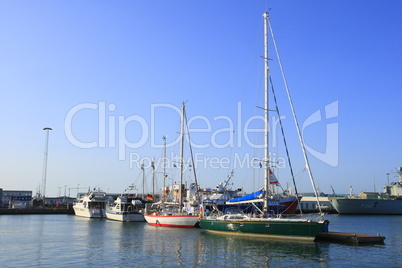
308,203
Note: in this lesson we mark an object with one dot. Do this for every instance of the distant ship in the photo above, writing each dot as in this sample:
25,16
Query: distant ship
387,203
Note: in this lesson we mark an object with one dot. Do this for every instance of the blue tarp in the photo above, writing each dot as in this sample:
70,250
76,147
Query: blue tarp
255,195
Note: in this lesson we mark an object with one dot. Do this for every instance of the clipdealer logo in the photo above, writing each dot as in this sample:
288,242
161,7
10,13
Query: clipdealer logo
111,132
331,154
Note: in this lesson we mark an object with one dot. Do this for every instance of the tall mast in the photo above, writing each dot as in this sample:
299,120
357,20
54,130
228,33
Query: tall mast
143,181
181,157
164,166
266,112
153,178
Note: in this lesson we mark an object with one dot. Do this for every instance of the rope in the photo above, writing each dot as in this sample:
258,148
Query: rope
285,143
192,160
295,119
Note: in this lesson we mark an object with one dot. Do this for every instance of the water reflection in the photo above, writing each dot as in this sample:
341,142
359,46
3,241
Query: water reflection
61,240
90,237
145,245
171,246
125,240
238,251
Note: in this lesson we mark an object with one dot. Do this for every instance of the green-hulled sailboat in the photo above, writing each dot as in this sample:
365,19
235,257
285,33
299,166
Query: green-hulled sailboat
262,223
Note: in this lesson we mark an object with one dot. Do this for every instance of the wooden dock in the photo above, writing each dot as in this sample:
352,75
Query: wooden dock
350,238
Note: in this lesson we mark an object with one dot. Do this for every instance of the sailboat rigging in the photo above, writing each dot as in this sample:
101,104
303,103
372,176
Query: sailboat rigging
171,214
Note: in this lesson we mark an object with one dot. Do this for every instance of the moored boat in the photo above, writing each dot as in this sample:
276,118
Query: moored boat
366,206
387,203
169,215
173,214
126,208
295,228
91,205
262,222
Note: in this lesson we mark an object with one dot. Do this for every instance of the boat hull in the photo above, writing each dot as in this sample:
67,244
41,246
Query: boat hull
183,221
89,213
124,216
91,205
367,206
288,230
290,204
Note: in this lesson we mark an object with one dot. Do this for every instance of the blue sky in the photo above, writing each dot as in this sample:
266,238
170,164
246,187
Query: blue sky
114,73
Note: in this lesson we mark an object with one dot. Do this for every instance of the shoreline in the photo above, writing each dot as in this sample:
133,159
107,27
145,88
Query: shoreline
25,211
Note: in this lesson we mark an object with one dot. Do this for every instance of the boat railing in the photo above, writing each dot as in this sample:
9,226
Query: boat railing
215,214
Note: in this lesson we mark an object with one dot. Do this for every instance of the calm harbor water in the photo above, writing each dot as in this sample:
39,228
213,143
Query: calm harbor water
67,240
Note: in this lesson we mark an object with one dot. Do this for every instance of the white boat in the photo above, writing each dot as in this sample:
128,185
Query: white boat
126,208
173,214
91,205
169,215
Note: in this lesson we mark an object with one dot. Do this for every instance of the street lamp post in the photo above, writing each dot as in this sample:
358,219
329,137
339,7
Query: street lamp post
45,163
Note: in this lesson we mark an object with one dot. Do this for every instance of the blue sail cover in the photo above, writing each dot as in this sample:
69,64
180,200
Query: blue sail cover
255,195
